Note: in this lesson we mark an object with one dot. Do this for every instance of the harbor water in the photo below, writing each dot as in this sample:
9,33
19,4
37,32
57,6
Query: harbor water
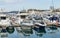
33,33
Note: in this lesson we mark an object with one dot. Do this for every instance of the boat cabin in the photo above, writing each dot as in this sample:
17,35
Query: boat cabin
4,19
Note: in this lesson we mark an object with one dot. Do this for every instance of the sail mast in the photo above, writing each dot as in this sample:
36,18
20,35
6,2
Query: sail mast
52,5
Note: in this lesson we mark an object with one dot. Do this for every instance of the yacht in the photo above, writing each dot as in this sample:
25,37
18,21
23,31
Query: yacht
5,23
53,20
15,19
40,25
39,22
4,20
26,24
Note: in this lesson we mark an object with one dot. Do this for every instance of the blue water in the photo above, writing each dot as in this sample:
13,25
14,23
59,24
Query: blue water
47,33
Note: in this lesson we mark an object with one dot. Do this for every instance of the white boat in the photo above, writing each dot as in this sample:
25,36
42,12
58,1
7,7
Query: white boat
16,19
27,22
40,25
51,19
39,22
16,22
4,20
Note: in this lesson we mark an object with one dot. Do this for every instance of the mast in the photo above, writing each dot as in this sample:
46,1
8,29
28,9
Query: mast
52,6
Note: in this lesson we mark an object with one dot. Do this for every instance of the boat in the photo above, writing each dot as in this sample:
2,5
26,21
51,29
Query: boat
40,25
26,24
39,22
4,20
54,20
18,18
15,20
26,27
51,19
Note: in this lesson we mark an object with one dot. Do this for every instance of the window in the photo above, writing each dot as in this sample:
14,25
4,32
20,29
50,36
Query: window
23,16
3,18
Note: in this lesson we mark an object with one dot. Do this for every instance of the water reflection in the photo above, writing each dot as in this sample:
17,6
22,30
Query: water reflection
24,32
52,29
4,35
31,33
39,32
10,29
27,32
3,32
18,29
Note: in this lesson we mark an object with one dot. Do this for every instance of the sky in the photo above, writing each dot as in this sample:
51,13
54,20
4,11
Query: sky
11,5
